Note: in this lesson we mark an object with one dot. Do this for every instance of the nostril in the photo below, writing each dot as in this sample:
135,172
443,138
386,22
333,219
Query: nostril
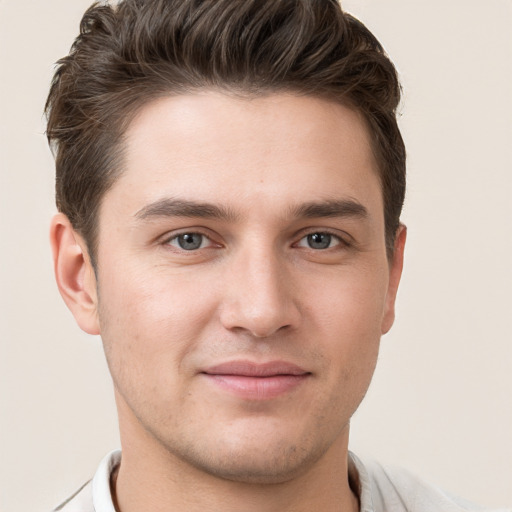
258,326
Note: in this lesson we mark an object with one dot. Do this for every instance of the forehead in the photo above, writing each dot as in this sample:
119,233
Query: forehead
280,149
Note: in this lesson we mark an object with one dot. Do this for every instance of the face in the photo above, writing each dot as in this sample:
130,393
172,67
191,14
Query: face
243,282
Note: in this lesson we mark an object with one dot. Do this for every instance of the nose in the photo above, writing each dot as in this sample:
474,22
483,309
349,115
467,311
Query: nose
259,296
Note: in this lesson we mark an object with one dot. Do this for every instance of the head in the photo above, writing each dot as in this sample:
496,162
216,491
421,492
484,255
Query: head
231,174
130,54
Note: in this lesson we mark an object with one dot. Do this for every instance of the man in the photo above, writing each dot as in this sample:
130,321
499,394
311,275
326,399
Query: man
230,177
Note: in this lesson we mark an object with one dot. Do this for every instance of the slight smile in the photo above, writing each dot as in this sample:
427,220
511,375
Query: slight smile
257,381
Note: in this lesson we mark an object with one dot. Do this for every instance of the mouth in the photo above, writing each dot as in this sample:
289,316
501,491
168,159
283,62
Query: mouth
256,381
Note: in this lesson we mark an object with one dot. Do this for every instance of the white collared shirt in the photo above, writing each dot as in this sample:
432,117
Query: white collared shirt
380,490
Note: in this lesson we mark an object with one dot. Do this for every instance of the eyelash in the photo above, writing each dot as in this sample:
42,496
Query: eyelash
176,236
341,241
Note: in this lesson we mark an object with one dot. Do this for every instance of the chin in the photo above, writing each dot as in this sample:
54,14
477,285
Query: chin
260,458
261,468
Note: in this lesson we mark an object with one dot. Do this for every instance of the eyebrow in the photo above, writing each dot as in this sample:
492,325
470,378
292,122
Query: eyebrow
330,208
170,207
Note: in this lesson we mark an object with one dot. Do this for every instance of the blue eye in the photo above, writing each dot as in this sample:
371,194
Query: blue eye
319,241
189,241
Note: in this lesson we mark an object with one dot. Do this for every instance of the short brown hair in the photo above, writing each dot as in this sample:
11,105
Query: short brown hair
138,50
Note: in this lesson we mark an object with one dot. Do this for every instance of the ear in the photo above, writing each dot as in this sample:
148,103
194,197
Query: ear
395,272
74,273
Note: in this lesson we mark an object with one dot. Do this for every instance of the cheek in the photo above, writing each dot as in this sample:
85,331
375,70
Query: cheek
348,314
150,322
349,303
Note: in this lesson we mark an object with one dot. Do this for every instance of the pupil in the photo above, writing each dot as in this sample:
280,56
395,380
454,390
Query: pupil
190,241
319,240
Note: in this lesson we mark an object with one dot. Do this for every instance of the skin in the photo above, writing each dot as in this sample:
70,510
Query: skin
257,289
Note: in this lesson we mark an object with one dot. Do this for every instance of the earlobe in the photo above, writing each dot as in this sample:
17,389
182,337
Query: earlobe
74,273
395,272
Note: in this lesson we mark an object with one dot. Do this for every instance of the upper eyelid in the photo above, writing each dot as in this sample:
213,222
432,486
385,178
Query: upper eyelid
168,243
341,242
342,236
175,234
210,243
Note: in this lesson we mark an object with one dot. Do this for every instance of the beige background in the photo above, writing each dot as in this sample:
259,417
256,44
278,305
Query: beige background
440,402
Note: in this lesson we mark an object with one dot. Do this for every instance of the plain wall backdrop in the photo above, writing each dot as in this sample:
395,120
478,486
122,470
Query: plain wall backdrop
440,403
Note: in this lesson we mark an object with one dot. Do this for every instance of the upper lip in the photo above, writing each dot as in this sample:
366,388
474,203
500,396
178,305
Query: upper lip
252,369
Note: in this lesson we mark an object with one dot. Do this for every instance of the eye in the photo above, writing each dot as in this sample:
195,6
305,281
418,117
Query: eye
319,241
189,241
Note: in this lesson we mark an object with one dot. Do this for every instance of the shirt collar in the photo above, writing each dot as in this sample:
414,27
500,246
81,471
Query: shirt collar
101,492
360,483
102,495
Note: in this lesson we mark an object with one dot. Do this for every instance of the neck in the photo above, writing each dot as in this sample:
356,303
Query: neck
152,478
142,483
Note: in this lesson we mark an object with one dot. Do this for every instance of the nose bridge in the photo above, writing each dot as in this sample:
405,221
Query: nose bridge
259,297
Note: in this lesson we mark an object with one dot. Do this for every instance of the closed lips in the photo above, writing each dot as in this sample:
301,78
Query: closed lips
251,381
250,369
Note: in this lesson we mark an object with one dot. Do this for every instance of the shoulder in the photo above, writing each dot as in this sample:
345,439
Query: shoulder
80,501
393,488
95,494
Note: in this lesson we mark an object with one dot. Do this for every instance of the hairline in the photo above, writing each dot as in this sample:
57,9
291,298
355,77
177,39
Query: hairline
238,91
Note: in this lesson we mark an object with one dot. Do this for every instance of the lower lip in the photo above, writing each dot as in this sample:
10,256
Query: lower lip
257,388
